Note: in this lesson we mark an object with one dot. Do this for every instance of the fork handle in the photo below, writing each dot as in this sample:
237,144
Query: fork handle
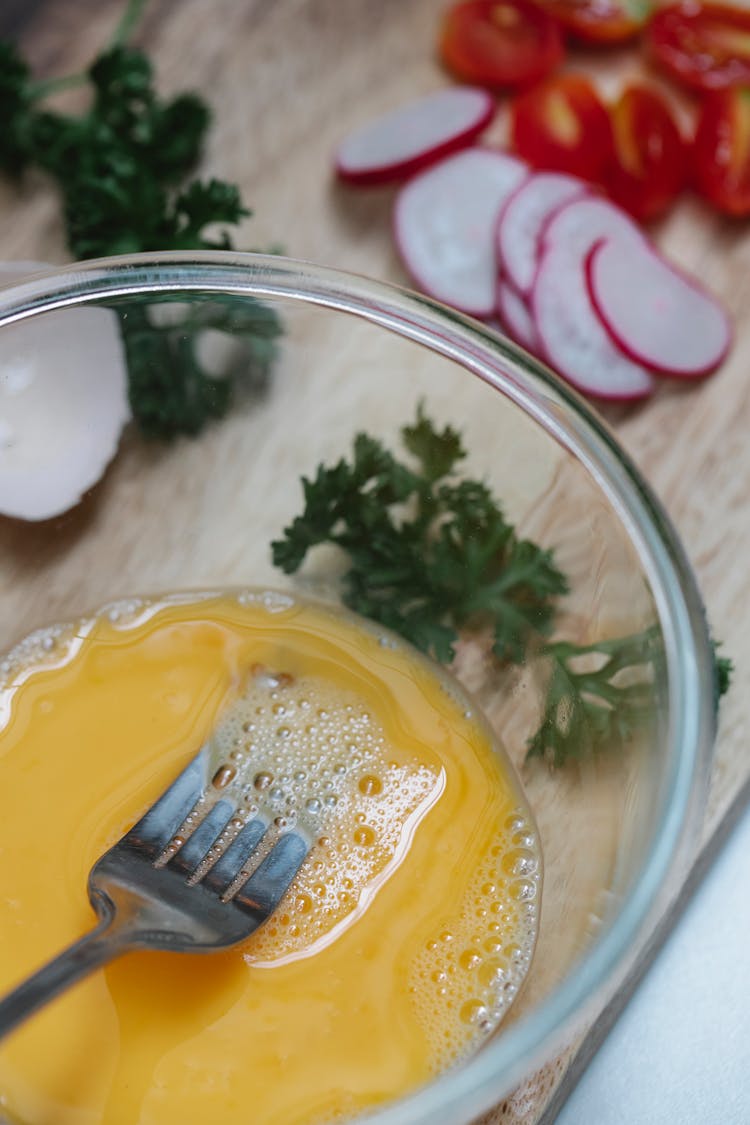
100,945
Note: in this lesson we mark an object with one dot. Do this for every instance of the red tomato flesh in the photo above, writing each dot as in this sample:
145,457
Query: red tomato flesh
721,150
562,126
500,44
704,46
600,21
650,165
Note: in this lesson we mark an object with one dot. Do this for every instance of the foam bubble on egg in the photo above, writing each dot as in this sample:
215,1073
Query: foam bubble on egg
304,751
311,752
478,965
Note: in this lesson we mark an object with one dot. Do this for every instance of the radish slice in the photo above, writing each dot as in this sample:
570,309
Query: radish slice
577,225
523,218
409,138
654,313
516,317
574,341
444,223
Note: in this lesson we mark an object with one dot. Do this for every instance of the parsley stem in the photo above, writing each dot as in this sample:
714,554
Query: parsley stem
128,22
123,31
49,86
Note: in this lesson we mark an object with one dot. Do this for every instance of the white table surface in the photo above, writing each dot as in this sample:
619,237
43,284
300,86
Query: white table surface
680,1051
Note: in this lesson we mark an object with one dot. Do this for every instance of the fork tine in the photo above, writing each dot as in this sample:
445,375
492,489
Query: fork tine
198,832
252,863
204,837
237,854
270,882
154,830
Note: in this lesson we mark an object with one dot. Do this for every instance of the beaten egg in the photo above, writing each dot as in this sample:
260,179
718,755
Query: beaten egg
400,944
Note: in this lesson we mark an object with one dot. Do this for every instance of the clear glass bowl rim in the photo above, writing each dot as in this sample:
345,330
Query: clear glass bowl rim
483,1080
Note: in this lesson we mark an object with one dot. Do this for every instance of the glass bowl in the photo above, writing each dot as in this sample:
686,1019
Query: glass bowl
199,512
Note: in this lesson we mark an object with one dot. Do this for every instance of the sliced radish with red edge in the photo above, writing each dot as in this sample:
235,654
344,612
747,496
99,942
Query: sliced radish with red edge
413,136
654,313
574,341
523,219
580,223
444,225
516,317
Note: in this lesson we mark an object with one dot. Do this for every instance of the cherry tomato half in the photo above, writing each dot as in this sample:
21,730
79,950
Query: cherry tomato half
562,125
600,21
650,165
721,150
705,46
500,43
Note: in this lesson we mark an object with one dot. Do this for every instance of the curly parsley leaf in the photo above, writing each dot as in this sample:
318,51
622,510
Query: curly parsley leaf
431,556
119,166
438,452
598,695
170,390
121,169
428,555
16,97
724,672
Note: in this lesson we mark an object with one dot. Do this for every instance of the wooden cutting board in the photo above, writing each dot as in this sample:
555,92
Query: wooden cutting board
286,79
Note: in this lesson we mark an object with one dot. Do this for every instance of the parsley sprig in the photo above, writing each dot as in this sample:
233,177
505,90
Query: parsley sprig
429,555
433,557
174,391
121,168
603,704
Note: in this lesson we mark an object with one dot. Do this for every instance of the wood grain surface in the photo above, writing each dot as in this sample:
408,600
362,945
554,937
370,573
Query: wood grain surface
286,79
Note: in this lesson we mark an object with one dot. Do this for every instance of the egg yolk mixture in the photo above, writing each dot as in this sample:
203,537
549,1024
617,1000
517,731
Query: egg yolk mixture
401,942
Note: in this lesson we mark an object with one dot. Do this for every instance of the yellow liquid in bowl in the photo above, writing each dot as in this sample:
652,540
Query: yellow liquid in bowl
398,948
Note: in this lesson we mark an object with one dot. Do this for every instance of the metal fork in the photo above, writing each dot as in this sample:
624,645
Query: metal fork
196,874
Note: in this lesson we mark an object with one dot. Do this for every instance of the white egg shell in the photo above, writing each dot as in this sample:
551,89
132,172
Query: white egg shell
63,405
